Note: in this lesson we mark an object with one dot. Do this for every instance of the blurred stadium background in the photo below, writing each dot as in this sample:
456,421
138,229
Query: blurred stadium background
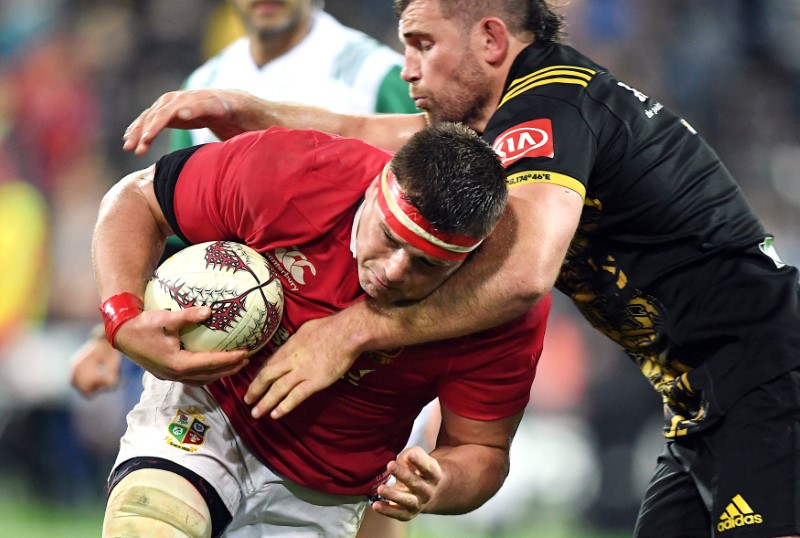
74,73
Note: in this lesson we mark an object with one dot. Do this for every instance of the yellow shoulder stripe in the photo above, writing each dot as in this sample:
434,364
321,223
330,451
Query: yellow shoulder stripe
538,176
578,71
556,74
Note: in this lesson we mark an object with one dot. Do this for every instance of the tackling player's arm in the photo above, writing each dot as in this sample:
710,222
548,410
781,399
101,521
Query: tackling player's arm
516,266
467,467
231,112
126,244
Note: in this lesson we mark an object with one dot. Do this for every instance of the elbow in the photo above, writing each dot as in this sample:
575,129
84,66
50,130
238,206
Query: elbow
528,291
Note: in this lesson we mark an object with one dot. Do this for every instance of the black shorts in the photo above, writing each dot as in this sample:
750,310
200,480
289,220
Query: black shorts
740,477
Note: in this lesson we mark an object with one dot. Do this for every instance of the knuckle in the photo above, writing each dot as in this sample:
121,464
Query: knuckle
281,386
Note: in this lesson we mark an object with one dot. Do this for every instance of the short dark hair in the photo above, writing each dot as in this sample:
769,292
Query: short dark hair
537,18
454,178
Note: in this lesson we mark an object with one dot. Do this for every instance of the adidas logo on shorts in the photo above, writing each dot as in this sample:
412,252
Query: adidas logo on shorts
738,514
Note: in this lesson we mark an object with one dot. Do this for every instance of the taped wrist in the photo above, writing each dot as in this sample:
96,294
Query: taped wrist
118,309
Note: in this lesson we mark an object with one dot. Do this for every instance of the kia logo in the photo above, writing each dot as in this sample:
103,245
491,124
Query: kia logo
525,140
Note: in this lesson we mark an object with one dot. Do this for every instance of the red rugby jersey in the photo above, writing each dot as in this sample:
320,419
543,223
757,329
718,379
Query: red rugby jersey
293,195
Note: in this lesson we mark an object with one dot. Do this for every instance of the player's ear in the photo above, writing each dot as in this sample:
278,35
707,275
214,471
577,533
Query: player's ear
495,40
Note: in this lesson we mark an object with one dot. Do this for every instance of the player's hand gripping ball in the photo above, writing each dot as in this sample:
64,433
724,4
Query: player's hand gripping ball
245,295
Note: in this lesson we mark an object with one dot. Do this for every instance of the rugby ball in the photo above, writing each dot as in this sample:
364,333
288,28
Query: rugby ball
244,293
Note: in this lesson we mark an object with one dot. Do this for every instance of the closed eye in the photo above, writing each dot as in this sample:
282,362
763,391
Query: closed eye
418,43
390,239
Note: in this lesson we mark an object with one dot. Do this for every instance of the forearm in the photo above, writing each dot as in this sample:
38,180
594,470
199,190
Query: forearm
228,113
127,239
515,268
388,131
471,475
497,285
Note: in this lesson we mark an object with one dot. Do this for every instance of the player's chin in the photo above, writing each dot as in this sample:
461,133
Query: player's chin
405,299
381,296
386,296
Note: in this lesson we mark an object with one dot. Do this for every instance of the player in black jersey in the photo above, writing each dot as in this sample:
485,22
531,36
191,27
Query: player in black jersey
661,252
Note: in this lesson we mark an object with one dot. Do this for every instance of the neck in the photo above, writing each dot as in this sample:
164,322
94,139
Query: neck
497,76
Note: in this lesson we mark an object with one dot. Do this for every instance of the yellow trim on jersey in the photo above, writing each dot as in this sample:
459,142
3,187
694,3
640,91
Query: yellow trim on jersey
581,72
537,176
549,75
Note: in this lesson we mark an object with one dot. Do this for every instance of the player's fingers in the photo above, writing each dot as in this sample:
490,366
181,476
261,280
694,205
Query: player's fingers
132,135
424,465
403,472
394,510
203,368
180,110
196,314
96,380
295,397
408,492
110,376
152,125
218,363
278,391
268,374
140,134
173,322
218,371
86,388
410,481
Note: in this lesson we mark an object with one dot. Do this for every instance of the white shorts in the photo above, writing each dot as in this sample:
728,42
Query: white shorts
183,424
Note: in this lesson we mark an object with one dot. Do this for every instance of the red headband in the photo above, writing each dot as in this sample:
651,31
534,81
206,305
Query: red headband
406,221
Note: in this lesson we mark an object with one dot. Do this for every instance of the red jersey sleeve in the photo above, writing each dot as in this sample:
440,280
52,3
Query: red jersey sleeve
492,376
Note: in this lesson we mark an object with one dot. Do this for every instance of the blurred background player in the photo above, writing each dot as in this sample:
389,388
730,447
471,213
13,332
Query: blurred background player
291,51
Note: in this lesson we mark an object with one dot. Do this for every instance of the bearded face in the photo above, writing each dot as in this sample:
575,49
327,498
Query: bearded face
446,77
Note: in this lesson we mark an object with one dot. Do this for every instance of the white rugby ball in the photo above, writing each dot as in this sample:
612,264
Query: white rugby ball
244,293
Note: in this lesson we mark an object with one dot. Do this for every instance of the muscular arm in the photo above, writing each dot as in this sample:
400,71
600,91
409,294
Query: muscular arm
516,266
129,235
231,112
127,242
467,467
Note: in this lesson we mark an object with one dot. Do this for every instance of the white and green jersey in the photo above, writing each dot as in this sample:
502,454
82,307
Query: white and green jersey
334,67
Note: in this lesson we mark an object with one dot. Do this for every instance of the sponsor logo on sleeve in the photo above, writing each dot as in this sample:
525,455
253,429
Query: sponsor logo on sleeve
530,139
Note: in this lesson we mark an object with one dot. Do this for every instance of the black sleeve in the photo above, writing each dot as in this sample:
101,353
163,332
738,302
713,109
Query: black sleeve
168,170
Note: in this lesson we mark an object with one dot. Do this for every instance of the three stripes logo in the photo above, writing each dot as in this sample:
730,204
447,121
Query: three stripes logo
738,514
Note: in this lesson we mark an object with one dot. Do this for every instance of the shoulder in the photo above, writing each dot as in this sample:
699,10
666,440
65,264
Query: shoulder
552,84
554,71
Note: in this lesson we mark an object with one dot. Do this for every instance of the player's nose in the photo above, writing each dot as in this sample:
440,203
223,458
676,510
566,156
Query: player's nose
397,266
410,70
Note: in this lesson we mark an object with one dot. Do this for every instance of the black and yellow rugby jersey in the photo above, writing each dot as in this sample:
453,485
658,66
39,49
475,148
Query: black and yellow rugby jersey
662,221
